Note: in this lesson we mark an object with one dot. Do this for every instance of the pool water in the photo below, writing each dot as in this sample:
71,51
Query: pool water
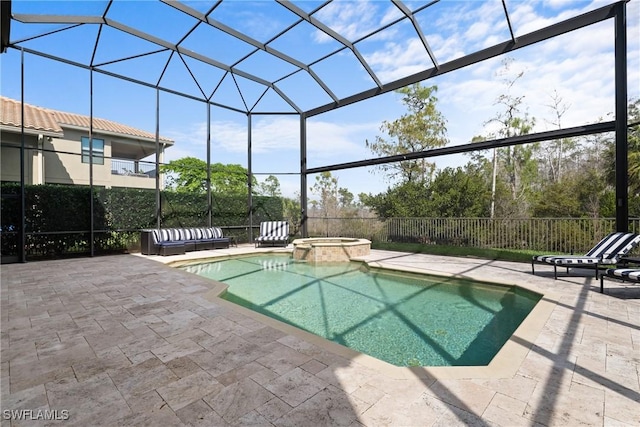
404,319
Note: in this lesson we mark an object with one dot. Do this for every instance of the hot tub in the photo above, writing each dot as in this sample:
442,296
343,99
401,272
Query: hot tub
330,249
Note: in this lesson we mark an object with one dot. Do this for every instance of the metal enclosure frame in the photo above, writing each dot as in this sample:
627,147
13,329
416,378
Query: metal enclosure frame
615,11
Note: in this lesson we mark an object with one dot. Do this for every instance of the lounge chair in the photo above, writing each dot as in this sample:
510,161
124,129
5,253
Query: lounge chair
273,232
607,252
624,274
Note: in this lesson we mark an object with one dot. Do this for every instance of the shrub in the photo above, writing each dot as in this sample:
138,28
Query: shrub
58,218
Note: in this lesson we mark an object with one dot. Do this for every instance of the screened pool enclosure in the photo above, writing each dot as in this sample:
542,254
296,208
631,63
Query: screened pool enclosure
267,66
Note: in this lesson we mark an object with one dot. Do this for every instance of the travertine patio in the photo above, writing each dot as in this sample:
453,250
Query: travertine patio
126,340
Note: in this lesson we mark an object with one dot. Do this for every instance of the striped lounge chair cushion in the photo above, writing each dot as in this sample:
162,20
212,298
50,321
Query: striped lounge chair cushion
579,260
630,242
271,238
607,251
274,230
630,274
544,258
615,246
566,259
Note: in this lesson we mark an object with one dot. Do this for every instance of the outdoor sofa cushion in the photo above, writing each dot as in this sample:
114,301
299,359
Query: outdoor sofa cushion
198,238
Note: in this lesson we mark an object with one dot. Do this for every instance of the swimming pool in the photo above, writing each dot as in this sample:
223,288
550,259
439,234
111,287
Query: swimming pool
401,318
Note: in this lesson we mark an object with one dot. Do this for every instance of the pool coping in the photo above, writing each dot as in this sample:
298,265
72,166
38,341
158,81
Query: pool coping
504,364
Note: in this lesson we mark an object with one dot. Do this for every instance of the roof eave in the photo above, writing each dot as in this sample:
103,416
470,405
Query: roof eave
165,141
29,130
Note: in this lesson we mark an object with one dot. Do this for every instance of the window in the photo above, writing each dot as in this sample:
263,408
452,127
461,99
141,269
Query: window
98,150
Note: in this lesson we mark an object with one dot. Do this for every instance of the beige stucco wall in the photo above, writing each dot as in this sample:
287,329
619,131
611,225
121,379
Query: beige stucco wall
59,161
64,166
10,157
132,181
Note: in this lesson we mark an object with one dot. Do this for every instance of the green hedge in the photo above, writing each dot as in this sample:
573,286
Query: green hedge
129,208
58,217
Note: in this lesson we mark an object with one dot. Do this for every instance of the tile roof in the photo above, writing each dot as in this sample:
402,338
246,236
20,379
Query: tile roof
45,119
36,118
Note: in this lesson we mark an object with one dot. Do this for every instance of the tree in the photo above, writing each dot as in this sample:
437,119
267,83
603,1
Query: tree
633,138
345,198
333,200
633,158
579,194
516,162
405,200
292,212
422,128
460,192
633,147
270,187
556,153
453,192
189,174
230,179
326,187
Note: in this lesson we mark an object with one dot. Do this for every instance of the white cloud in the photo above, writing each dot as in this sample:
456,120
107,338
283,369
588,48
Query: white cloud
459,30
194,135
463,27
257,20
485,20
283,134
173,153
446,48
324,139
525,18
339,141
478,30
391,15
354,20
398,60
558,4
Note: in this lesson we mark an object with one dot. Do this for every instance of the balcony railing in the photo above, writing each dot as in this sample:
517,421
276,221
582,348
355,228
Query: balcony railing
133,168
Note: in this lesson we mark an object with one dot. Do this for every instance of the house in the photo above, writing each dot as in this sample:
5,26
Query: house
57,149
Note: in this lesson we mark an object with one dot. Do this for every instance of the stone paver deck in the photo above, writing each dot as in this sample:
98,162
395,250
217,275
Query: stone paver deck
126,340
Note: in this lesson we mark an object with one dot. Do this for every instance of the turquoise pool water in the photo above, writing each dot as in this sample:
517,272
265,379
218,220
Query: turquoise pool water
404,319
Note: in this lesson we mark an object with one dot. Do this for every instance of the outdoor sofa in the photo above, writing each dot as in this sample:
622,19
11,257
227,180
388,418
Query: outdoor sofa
273,233
177,241
608,251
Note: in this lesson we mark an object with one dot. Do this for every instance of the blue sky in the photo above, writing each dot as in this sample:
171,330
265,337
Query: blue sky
577,66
